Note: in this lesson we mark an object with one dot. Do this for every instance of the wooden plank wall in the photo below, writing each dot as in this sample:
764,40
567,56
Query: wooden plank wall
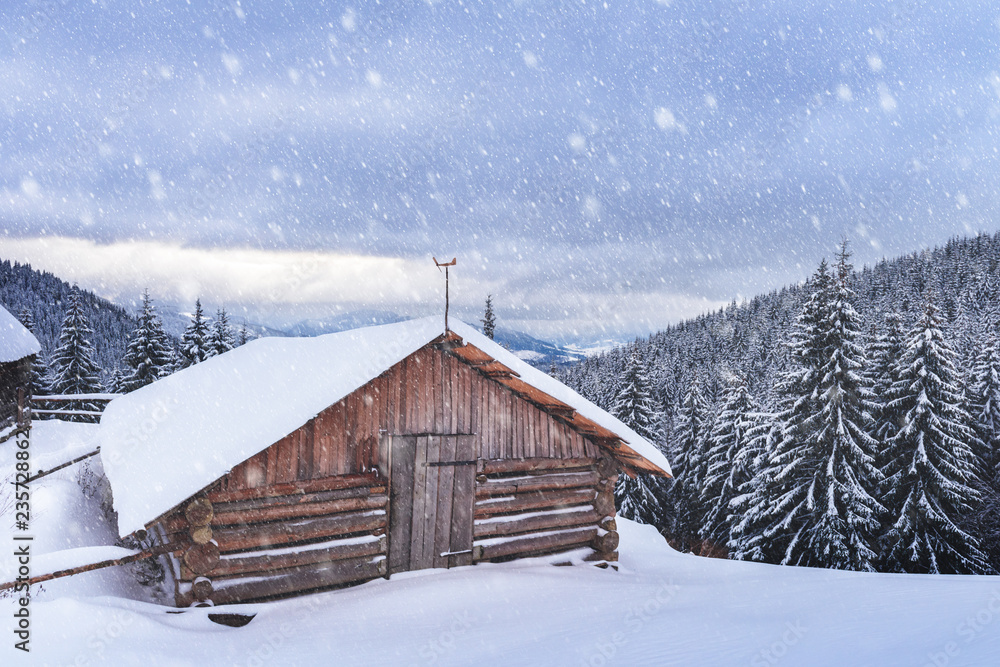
428,392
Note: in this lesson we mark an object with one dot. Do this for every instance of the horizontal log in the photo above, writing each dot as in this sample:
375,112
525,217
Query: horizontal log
299,580
533,501
254,565
611,556
606,542
201,558
297,488
263,536
201,589
605,504
535,523
608,467
539,544
199,512
502,466
315,497
502,487
270,513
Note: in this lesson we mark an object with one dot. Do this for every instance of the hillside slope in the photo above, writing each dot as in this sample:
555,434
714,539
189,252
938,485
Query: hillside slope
47,296
748,339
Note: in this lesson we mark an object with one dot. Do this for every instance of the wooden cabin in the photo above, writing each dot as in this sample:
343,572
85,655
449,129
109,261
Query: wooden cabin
277,470
18,348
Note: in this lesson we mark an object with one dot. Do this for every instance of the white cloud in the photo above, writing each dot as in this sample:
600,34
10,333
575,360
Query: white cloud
176,272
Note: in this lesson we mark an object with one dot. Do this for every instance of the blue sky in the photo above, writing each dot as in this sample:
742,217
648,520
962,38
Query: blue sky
602,168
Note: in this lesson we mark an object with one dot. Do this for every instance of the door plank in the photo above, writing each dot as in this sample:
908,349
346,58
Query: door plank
420,505
445,490
433,476
460,538
401,501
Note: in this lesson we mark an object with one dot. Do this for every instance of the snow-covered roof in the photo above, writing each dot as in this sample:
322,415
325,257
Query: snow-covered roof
16,342
168,440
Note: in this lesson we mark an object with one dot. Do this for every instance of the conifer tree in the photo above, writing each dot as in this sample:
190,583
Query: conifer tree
821,507
489,320
886,349
244,336
641,499
729,461
984,522
114,382
73,368
687,461
220,338
984,395
194,341
38,381
749,508
148,354
930,462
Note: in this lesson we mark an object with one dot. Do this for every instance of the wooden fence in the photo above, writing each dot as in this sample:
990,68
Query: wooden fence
71,407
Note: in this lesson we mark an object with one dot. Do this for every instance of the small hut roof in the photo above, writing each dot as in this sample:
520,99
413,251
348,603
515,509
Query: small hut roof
16,342
165,442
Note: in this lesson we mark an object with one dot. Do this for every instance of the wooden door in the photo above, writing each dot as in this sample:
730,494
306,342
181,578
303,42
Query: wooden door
432,489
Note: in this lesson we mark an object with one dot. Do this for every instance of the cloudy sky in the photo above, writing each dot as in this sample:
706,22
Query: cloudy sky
602,168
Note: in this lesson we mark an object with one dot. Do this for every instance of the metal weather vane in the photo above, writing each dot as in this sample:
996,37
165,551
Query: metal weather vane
438,264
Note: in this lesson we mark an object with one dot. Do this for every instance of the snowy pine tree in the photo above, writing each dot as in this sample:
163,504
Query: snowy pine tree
73,368
642,499
244,335
729,461
489,320
984,399
749,509
884,353
148,355
821,506
194,341
984,522
930,462
687,458
39,367
221,338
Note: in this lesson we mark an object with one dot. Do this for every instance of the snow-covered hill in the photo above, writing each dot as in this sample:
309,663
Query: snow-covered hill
661,608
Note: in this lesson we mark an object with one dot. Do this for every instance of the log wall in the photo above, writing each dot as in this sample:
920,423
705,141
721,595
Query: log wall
537,506
248,545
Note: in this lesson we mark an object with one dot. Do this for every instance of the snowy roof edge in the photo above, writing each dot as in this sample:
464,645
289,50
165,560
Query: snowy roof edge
16,342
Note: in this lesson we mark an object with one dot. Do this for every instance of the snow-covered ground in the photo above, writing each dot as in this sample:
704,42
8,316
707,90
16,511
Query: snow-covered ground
661,608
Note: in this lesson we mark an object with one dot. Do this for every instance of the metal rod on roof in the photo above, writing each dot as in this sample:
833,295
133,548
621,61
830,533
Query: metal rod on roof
453,262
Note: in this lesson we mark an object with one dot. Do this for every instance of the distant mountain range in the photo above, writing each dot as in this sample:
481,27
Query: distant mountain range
537,352
44,295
